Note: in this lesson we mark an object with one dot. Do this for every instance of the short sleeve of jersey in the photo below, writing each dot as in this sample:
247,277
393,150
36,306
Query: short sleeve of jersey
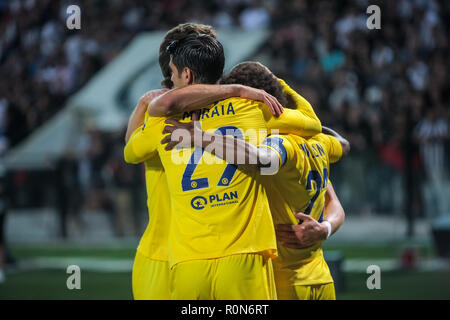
331,145
281,145
144,141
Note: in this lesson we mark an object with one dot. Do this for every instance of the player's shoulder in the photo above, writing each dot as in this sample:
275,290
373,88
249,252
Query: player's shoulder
290,139
251,110
239,102
295,138
287,142
327,144
321,138
229,106
156,119
151,122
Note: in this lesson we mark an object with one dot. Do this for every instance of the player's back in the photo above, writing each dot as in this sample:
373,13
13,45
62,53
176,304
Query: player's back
300,186
218,210
303,180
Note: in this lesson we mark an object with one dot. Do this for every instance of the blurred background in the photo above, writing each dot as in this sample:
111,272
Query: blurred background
67,197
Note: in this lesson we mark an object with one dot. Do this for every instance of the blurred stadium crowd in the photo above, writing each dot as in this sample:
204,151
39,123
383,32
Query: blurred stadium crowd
386,91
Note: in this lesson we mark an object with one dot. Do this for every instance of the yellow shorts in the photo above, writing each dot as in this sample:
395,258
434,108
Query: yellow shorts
308,292
150,279
235,277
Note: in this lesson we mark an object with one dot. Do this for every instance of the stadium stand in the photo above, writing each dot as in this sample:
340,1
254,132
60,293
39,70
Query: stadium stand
386,92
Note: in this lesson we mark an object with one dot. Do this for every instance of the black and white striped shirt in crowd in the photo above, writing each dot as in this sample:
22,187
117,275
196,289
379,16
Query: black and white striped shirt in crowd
433,134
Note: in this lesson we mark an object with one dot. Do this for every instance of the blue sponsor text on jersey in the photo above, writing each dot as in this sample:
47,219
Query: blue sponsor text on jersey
215,200
225,196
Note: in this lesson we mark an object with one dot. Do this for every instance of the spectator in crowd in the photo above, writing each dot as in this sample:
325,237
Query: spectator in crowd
432,133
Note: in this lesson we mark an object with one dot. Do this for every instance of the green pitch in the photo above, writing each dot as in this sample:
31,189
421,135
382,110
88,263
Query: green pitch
30,282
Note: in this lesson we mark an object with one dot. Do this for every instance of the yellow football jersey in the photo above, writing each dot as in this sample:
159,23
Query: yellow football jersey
154,242
300,185
217,209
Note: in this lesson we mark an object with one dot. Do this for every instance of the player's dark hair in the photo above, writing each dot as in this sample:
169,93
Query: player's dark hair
202,54
253,74
179,32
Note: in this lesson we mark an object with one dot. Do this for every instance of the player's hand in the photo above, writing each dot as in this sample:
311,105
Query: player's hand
181,135
303,235
275,107
147,97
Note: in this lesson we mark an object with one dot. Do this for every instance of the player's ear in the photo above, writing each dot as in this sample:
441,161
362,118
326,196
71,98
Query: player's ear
189,76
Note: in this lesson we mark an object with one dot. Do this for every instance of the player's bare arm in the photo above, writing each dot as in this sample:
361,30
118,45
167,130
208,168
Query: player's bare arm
230,149
334,212
344,142
196,96
137,117
311,231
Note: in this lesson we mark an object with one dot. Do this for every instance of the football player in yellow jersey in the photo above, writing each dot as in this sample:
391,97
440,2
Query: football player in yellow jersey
301,182
299,185
150,269
222,232
255,74
150,277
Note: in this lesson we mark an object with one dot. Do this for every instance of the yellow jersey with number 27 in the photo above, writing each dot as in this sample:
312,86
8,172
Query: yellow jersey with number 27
217,209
